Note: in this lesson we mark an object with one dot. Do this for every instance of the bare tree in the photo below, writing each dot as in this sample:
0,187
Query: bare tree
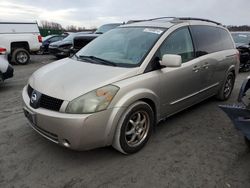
239,28
73,28
50,25
44,24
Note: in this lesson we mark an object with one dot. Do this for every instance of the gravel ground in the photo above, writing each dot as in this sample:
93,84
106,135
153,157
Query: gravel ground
195,148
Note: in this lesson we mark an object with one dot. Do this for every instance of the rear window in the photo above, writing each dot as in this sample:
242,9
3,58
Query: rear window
209,39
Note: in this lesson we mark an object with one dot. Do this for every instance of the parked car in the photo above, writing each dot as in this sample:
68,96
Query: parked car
115,89
20,39
82,40
6,70
49,39
240,114
242,40
62,48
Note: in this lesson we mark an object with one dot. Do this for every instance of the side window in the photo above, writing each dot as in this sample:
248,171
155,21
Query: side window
179,43
226,40
209,39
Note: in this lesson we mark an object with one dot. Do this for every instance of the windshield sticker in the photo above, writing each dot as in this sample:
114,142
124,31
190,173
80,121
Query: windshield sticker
156,31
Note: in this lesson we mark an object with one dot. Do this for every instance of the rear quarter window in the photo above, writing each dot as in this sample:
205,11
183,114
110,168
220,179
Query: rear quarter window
209,39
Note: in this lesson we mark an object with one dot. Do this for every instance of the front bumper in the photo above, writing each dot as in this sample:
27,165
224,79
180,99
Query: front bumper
240,116
9,73
59,51
77,132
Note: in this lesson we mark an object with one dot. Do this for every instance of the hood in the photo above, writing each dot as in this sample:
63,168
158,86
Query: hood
92,35
60,43
68,79
241,45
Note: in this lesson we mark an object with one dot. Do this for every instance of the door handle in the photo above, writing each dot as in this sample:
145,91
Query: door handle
205,66
196,68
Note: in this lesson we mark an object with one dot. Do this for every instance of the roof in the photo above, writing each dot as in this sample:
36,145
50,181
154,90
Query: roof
17,22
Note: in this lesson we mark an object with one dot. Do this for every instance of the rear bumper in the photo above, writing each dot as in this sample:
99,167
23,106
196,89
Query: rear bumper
9,73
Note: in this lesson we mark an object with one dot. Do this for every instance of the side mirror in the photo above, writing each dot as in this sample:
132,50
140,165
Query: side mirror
171,60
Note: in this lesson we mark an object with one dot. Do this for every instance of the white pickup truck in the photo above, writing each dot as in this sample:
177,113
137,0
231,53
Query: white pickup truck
20,39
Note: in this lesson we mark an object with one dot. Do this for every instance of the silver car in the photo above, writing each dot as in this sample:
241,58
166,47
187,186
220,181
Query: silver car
6,70
119,86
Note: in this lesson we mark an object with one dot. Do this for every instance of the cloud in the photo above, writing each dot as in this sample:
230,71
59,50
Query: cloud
97,12
12,11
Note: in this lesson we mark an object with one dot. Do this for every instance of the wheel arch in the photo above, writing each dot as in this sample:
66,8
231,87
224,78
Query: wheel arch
121,106
21,44
232,69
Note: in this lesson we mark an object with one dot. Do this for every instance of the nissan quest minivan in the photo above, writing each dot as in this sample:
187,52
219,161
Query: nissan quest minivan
115,89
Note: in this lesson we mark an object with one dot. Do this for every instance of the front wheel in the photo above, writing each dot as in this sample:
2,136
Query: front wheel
1,78
227,88
134,128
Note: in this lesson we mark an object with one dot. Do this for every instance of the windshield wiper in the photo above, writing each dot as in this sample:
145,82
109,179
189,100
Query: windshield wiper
97,60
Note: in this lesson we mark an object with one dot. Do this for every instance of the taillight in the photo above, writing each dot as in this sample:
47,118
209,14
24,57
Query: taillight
2,50
40,38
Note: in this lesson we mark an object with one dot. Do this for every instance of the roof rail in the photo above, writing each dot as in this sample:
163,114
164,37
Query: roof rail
160,18
199,19
176,19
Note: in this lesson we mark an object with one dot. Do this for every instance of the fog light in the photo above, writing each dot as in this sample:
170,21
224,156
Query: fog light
65,143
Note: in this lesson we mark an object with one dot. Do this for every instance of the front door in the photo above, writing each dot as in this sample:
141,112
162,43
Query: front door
179,86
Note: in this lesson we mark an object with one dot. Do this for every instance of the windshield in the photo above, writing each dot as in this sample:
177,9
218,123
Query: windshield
243,38
125,47
70,37
105,28
47,37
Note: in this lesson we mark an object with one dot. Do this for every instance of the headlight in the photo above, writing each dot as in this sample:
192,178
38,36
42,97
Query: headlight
94,101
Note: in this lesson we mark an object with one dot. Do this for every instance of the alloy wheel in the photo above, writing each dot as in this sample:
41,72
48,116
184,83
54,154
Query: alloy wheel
137,128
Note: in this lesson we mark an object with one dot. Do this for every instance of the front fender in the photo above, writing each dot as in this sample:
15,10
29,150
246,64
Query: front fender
120,106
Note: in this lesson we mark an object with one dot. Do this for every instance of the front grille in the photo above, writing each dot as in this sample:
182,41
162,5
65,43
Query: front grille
46,101
50,103
30,90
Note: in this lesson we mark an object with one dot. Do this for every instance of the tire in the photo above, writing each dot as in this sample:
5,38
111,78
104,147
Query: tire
1,78
20,56
246,67
247,142
131,137
60,56
227,88
40,52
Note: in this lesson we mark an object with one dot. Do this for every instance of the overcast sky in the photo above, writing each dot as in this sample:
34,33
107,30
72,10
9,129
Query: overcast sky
91,13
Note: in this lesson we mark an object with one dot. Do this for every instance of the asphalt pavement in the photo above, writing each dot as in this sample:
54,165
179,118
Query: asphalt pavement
198,147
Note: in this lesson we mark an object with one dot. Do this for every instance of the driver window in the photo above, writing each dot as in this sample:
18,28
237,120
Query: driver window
179,43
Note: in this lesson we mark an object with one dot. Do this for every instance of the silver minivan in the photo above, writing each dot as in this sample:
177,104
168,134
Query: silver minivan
115,89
